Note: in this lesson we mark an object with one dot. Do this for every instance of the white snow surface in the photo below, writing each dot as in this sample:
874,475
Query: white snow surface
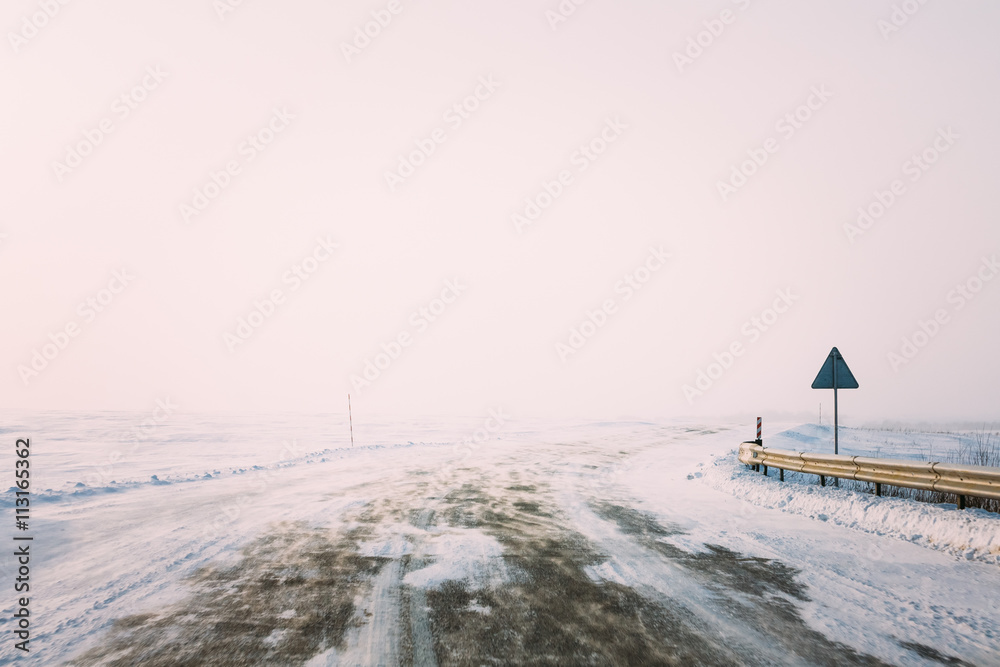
461,554
972,534
111,541
606,571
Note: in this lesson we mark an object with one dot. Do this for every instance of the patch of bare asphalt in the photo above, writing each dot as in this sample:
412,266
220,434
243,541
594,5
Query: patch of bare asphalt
930,653
552,612
762,586
289,597
720,567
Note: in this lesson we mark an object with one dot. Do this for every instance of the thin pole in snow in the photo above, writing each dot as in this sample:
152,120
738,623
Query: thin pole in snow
350,417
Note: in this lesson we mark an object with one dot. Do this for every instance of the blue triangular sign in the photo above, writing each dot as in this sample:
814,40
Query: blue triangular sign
845,378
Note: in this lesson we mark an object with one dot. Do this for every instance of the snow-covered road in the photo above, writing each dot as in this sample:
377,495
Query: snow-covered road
616,543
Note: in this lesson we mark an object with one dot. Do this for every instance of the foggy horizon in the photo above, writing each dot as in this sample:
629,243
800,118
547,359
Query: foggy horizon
567,214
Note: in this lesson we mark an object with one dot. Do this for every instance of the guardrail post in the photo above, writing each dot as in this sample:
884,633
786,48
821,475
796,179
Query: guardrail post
781,474
822,480
765,471
878,489
961,502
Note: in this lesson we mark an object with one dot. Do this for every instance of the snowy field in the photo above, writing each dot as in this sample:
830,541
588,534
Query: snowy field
241,539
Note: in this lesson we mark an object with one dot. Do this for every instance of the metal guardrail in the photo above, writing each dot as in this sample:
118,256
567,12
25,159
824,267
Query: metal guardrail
962,480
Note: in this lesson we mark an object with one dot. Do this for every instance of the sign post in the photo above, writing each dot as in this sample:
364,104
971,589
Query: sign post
835,375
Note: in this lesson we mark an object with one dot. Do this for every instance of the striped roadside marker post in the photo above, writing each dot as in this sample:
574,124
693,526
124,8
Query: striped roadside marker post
759,441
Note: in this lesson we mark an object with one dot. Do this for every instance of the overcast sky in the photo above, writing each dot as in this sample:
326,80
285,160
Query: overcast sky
675,182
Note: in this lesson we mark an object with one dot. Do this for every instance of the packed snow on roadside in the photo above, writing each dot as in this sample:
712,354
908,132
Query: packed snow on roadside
972,534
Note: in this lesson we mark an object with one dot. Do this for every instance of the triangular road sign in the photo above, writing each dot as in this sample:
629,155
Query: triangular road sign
843,374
